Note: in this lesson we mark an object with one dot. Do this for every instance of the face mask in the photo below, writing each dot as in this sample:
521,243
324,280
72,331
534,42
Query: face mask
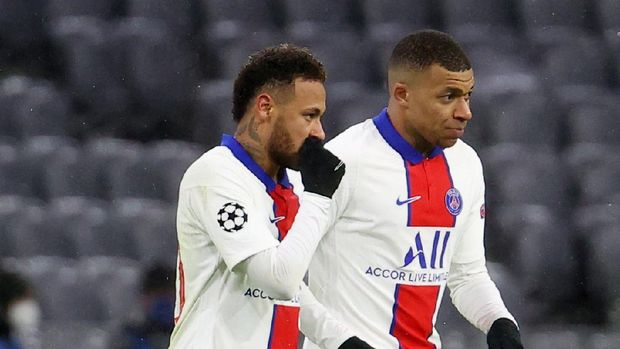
24,314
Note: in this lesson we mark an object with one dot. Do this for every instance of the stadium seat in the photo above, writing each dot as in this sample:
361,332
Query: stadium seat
178,16
91,77
603,340
155,237
213,112
171,159
222,16
500,37
311,15
603,280
344,113
43,110
35,154
96,8
17,15
75,334
385,15
553,337
340,65
12,207
100,155
13,90
459,12
598,184
546,13
162,71
342,95
521,174
608,12
594,123
559,64
32,234
536,244
527,118
582,157
13,171
118,284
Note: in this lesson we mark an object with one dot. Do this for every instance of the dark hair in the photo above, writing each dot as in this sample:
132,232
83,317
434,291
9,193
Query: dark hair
423,48
274,66
12,288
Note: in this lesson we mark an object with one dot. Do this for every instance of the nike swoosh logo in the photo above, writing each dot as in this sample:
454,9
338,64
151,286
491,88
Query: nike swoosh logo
277,219
408,200
338,166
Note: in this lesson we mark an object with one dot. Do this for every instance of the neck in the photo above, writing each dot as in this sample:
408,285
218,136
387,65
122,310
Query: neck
409,134
256,145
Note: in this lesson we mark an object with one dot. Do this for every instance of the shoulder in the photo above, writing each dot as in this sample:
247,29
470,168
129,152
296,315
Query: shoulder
214,168
463,155
349,144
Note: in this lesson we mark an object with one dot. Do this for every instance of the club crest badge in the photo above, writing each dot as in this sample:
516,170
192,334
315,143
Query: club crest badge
454,201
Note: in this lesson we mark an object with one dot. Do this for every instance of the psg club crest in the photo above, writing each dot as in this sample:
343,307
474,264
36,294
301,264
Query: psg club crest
454,201
232,217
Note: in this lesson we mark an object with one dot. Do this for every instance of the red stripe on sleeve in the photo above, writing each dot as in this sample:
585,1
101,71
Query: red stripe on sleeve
284,327
181,294
414,308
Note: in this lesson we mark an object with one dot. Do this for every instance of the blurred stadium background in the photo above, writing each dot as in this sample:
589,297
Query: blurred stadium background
104,103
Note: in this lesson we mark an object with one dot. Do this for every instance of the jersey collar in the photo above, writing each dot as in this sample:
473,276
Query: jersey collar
397,142
239,152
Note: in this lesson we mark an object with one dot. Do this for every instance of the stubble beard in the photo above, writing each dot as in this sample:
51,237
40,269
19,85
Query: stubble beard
281,149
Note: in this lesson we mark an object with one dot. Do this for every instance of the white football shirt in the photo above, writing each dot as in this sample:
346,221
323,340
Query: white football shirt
400,223
230,209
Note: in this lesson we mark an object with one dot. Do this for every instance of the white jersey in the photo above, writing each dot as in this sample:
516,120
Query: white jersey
230,209
401,222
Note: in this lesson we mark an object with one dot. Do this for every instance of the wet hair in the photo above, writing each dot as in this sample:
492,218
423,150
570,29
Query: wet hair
273,67
421,49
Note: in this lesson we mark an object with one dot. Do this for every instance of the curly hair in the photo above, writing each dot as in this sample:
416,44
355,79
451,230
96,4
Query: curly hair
273,67
423,48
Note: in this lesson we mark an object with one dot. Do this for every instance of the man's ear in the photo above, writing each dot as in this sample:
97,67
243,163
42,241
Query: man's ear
400,92
264,106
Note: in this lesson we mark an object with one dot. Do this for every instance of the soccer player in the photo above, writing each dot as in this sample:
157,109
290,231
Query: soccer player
408,216
246,232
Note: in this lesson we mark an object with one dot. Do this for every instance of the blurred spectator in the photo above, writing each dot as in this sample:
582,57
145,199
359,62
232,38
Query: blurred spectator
19,313
150,328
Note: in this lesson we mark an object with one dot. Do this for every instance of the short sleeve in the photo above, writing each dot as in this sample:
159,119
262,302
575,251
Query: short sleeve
229,215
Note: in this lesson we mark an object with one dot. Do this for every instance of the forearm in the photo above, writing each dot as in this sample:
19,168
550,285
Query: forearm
279,270
475,295
318,325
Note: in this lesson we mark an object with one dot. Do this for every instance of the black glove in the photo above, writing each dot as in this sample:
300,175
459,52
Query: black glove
321,171
504,334
354,343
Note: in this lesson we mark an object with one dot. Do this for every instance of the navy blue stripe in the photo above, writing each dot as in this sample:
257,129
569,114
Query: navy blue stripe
396,141
239,152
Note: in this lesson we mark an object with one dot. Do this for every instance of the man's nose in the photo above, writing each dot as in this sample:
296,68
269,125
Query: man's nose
463,111
317,130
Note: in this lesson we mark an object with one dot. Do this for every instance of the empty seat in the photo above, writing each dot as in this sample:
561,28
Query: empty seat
311,15
12,207
500,37
385,15
553,337
594,123
608,12
13,90
603,279
98,157
213,112
603,340
345,113
162,71
91,76
518,174
598,184
171,159
542,251
545,13
458,12
75,334
225,18
527,118
97,8
178,16
560,68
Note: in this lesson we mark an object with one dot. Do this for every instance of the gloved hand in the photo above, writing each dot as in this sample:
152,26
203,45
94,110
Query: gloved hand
354,343
504,334
321,171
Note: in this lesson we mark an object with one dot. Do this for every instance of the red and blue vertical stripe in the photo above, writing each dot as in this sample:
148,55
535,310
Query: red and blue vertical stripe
284,330
428,180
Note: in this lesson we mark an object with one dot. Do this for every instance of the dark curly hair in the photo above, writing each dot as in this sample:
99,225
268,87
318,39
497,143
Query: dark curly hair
423,48
273,67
